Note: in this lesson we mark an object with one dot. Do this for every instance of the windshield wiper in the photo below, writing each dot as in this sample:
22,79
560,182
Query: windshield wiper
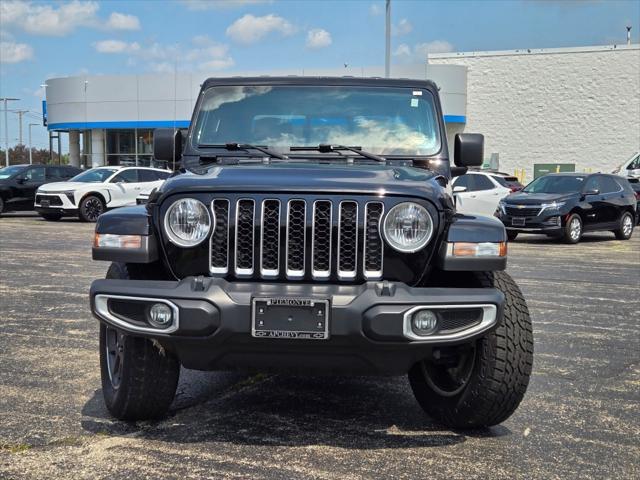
324,148
231,146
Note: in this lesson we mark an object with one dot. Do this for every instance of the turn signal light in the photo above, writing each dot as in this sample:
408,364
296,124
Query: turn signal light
482,249
110,240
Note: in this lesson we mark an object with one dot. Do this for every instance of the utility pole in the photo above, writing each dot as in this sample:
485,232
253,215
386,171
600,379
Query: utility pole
628,35
30,146
387,52
6,128
20,113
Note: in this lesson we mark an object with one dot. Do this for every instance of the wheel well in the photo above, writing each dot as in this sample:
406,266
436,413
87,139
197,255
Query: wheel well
94,194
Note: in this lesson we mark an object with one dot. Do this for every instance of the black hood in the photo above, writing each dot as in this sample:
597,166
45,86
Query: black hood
525,198
308,177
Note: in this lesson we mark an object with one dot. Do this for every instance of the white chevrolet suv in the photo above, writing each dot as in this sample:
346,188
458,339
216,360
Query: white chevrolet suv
478,192
94,191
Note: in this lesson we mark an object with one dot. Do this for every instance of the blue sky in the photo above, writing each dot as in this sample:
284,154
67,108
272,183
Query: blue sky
40,40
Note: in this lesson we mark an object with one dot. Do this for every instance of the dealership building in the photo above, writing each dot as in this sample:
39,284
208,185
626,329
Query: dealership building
567,106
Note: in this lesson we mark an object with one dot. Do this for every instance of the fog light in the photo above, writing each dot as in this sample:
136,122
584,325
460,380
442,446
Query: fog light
160,315
424,322
555,221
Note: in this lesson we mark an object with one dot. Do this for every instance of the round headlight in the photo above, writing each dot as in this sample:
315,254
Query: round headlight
187,222
408,227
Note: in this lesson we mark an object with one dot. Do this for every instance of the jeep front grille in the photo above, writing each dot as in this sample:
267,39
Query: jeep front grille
297,239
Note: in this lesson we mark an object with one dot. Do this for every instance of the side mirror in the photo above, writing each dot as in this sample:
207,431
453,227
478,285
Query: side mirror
469,150
167,144
593,191
459,189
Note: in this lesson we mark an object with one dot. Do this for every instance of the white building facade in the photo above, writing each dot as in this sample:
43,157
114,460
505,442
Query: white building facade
578,106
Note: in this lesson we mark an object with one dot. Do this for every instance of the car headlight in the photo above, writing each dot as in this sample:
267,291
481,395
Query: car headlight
187,222
408,227
501,205
551,206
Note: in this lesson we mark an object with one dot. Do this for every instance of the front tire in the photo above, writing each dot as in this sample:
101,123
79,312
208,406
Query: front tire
490,378
91,207
573,229
139,378
625,230
512,235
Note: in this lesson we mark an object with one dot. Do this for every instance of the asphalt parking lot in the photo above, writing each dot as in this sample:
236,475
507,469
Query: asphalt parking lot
580,418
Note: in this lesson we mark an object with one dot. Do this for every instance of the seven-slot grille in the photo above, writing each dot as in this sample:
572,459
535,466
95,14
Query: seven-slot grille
297,239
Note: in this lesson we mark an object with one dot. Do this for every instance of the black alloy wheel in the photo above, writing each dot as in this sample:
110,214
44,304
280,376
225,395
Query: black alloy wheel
91,208
114,353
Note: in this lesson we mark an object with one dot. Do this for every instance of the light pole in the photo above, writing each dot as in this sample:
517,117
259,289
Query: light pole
387,40
6,128
30,147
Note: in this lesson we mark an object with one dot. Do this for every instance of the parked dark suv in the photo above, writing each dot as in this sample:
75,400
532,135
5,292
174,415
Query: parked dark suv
565,205
18,183
316,233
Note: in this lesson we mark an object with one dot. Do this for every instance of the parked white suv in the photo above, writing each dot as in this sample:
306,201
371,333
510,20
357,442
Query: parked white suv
630,168
92,192
478,192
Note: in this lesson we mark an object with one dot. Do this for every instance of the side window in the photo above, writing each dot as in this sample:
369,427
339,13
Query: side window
35,174
56,173
635,164
609,185
127,176
480,182
593,184
147,176
162,175
462,181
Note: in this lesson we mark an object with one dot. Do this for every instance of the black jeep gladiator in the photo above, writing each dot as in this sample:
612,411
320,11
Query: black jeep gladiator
312,229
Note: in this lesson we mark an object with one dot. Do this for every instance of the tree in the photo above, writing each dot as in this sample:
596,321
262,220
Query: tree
20,154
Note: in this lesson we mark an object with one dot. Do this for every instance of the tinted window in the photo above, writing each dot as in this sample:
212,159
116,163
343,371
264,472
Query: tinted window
593,183
635,164
128,176
163,175
480,182
462,181
609,185
147,175
35,174
60,173
556,184
7,172
508,181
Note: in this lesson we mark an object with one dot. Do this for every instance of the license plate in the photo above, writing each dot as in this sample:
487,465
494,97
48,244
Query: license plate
290,317
44,203
517,221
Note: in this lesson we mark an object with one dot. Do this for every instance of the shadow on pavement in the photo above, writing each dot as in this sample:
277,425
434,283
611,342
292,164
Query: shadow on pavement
346,412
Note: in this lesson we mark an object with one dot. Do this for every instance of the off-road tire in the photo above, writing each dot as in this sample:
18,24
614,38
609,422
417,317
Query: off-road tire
512,235
624,232
501,369
51,217
568,236
90,208
149,374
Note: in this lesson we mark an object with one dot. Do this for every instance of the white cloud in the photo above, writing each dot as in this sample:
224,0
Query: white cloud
116,46
249,29
376,9
403,27
419,52
60,19
199,5
204,54
318,38
123,21
12,52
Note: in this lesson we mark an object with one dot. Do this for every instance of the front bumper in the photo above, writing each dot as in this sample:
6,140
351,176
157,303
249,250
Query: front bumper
367,323
545,224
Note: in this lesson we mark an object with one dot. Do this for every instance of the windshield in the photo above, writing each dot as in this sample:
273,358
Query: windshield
382,120
7,172
553,184
97,175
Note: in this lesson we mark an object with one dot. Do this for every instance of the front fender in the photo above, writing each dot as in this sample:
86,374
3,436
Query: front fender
473,229
127,221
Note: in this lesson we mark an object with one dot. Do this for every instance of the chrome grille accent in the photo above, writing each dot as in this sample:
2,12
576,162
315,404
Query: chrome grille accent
348,240
219,246
296,237
321,238
282,238
270,238
245,211
373,244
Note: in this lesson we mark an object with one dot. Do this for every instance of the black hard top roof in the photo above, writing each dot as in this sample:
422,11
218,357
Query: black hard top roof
308,80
